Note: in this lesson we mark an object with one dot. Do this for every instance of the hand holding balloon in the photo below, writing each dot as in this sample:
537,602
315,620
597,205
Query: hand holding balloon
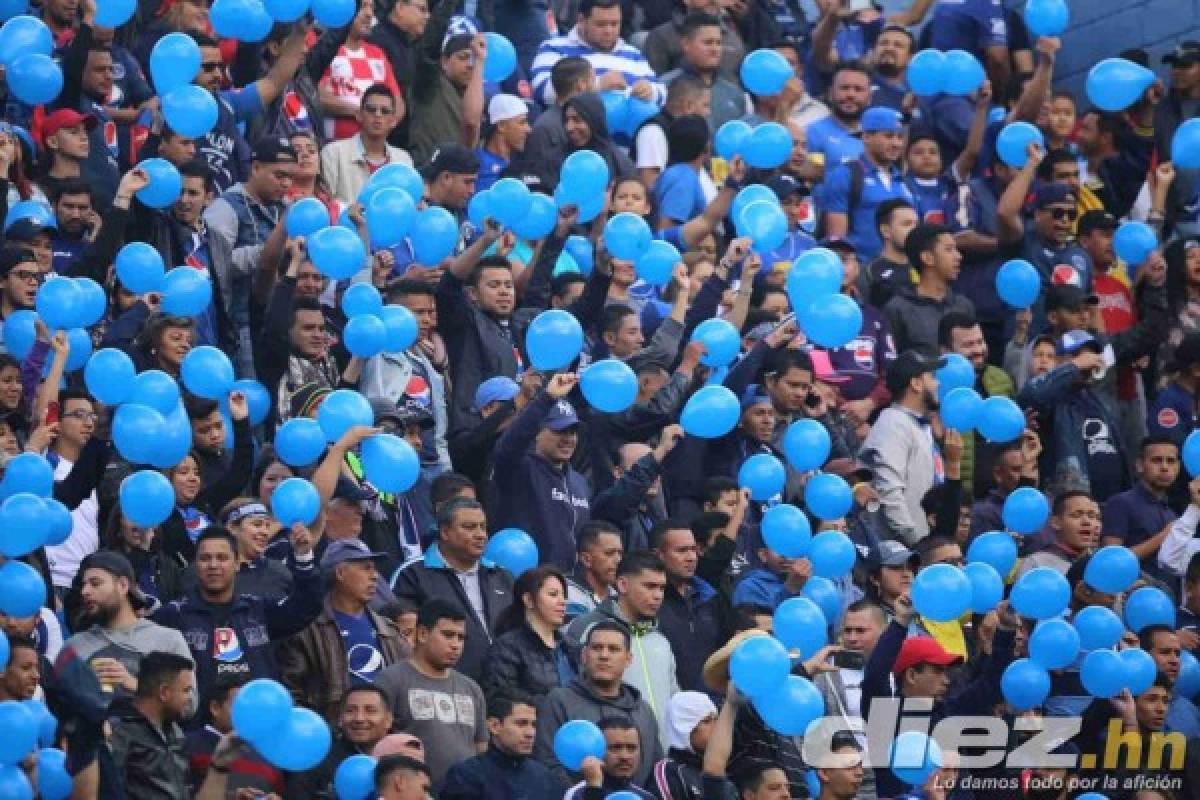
561,385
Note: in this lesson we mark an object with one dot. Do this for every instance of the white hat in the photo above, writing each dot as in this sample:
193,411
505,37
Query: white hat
506,106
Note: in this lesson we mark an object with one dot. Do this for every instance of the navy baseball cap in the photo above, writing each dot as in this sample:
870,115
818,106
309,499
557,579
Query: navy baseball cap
1072,342
1050,193
342,550
560,417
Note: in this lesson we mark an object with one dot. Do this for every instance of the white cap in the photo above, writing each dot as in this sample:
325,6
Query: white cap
506,106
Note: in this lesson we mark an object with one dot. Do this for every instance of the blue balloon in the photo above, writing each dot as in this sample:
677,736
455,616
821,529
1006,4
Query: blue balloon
790,707
510,200
915,757
342,410
136,429
114,13
261,709
816,274
1185,145
1018,283
13,783
174,62
47,725
832,321
614,110
1054,644
1012,144
588,207
1134,242
800,625
22,35
20,333
4,651
806,444
941,592
812,782
389,213
1140,670
960,408
36,210
365,336
957,373
832,554
402,176
190,110
786,530
295,500
58,303
245,20
93,302
23,519
768,146
828,496
53,780
1112,569
584,173
1000,419
513,549
501,58
336,252
927,73
306,216
825,594
176,439
754,193
59,523
165,183
964,73
657,262
730,138
360,299
1040,593
434,236
763,474
401,328
721,341
207,372
637,113
1025,511
1188,683
996,549
1191,445
627,236
759,664
390,463
609,385
1102,673
257,398
304,741
333,13
286,10
109,375
1025,684
479,209
577,740
1098,627
20,732
710,413
1148,606
765,72
1115,83
765,224
539,220
28,473
147,498
140,268
1047,17
355,778
156,389
299,442
22,590
987,587
554,339
580,249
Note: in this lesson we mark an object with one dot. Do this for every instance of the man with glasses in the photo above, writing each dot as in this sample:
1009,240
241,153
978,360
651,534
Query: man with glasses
22,275
347,164
77,423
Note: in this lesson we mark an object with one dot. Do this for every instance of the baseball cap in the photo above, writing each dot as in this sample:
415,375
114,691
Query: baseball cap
274,150
459,33
1096,220
499,389
452,158
837,243
506,106
823,368
24,229
342,550
10,256
66,118
909,365
879,119
1184,55
784,186
754,395
893,554
118,566
307,399
1068,296
1072,342
923,650
1187,353
1050,193
560,417
412,412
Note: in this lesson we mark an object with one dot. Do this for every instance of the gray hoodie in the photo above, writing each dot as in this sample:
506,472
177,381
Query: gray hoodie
128,645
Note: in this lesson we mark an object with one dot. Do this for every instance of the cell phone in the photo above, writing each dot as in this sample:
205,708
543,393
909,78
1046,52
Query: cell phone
52,413
812,400
849,659
857,5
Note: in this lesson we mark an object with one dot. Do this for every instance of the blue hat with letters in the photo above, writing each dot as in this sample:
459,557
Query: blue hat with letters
560,417
880,119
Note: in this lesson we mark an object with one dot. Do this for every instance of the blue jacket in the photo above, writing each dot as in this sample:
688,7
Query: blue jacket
242,646
549,503
496,776
762,588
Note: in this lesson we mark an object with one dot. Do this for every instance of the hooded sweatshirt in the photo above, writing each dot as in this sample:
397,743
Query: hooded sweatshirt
589,106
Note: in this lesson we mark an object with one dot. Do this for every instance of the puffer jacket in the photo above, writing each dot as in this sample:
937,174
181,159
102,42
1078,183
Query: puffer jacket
519,659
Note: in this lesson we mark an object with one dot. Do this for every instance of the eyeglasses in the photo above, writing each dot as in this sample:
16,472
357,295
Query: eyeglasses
212,66
381,111
28,276
1064,213
83,416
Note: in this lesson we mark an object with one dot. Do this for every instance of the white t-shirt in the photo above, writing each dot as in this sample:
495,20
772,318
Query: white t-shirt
84,539
651,147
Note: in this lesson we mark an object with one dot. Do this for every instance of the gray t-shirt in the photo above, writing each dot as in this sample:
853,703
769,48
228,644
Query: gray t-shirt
447,715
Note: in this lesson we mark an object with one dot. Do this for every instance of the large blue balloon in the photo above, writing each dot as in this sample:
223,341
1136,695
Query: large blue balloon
402,176
53,780
806,444
355,778
768,146
1013,142
957,373
832,554
1098,627
14,785
588,206
580,249
964,73
1025,684
927,73
342,410
627,236
609,385
915,757
754,193
361,298
140,268
510,200
657,262
156,389
304,741
80,343
23,520
553,340
584,173
513,549
95,302
941,592
710,413
1018,283
1054,644
1134,242
20,732
165,183
832,321
1148,606
825,594
1190,456
147,498
721,341
174,62
306,216
800,625
401,326
790,707
987,587
434,235
245,20
1140,670
1046,17
1000,419
28,473
35,79
730,138
577,740
47,725
177,438
763,474
539,220
13,8
207,372
1112,569
1025,511
501,58
136,430
58,302
786,530
257,398
299,442
261,709
765,224
333,13
1185,145
828,496
190,110
24,35
58,521
1041,593
1115,83
336,252
759,664
20,333
960,408
295,500
1102,673
996,549
365,336
765,72
22,590
390,463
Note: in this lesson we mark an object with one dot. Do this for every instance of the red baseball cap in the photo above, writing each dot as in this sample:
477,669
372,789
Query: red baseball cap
65,118
923,650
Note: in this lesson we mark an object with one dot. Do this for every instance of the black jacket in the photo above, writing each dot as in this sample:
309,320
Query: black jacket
152,763
519,659
679,776
496,776
696,626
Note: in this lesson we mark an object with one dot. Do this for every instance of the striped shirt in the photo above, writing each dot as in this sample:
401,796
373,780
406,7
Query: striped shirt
623,58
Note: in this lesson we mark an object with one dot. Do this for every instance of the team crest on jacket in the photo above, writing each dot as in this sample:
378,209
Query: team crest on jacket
226,647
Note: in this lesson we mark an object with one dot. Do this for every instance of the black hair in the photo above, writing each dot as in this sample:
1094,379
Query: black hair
615,722
562,282
216,532
922,240
1059,155
1153,441
567,72
716,486
486,263
744,614
406,287
306,304
752,773
1146,635
592,530
157,668
884,211
848,66
447,513
373,688
501,704
607,625
636,562
434,611
198,407
952,321
378,90
73,393
198,169
586,7
613,316
448,486
1060,500
73,186
663,526
388,765
781,361
695,20
530,582
706,524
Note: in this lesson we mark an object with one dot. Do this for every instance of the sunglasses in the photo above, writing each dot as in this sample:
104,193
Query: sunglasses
1064,213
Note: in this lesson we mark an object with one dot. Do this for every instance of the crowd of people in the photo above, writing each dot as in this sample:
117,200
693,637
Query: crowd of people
385,613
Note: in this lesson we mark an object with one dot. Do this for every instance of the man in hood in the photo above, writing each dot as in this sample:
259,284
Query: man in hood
586,126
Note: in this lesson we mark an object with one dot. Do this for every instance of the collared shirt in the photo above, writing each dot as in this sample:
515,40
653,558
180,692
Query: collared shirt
1136,515
880,184
836,142
470,584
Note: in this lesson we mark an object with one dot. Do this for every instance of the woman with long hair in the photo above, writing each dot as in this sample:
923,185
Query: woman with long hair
528,653
157,576
1183,294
